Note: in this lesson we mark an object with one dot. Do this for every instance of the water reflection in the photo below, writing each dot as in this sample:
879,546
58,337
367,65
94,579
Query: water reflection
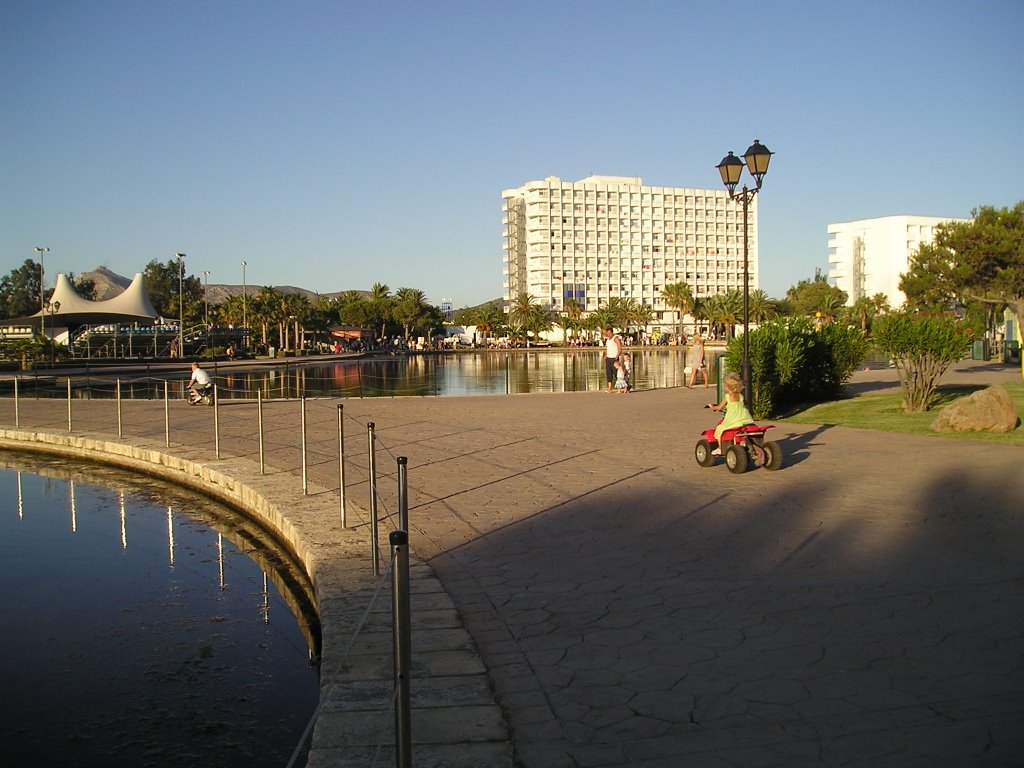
123,645
453,374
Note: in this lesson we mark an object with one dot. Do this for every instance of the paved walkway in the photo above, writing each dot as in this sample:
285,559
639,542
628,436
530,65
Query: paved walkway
864,606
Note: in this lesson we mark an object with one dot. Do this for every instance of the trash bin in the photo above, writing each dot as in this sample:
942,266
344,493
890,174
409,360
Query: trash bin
272,352
979,350
1011,351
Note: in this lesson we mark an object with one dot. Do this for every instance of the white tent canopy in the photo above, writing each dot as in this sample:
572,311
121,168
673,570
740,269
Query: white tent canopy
70,309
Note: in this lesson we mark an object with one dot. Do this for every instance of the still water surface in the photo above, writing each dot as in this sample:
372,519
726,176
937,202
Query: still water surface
144,625
431,375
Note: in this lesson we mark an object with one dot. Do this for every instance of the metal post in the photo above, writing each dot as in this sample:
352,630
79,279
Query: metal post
181,305
506,374
373,497
341,465
245,317
216,421
305,475
402,634
120,433
69,403
167,417
259,413
747,394
17,413
403,493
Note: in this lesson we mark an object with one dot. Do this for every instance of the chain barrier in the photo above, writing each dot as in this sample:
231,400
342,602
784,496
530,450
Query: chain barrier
396,520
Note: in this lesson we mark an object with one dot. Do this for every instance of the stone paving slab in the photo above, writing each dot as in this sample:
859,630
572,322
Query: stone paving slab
862,606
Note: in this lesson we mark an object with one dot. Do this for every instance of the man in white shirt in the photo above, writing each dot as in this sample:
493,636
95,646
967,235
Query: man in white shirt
200,379
612,352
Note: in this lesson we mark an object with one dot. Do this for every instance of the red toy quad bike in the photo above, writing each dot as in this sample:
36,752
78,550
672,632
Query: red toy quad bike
740,446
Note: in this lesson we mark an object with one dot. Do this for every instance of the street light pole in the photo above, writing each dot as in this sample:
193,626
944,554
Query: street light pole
40,249
756,158
206,295
245,326
181,306
53,308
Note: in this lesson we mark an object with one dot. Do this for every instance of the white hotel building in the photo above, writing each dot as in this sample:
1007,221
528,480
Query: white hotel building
611,236
867,257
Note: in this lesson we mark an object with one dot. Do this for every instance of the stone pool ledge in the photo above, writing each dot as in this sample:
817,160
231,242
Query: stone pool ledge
455,720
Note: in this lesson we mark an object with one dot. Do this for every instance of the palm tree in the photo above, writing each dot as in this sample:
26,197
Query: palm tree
724,311
642,315
573,309
863,310
679,297
291,313
537,322
522,306
410,309
732,311
590,324
762,308
381,306
489,320
573,312
231,311
700,312
829,307
263,309
617,312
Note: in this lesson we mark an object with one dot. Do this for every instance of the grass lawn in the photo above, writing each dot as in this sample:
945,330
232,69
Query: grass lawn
883,412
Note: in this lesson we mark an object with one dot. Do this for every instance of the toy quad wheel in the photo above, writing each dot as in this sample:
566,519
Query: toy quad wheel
703,453
767,453
736,459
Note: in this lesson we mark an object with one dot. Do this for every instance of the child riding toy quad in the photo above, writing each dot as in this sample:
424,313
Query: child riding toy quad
740,446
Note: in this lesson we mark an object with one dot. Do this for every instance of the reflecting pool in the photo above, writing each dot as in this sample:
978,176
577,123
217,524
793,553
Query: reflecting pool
429,375
145,625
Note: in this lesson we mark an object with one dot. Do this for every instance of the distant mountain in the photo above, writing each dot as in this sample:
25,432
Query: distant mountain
110,284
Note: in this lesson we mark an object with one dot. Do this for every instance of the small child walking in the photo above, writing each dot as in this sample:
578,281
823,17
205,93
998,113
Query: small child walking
736,412
621,384
627,366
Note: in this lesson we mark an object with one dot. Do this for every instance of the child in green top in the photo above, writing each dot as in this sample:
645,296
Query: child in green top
736,413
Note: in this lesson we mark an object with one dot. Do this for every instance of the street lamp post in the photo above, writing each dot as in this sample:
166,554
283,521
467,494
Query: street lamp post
40,249
53,307
206,296
181,306
756,158
245,326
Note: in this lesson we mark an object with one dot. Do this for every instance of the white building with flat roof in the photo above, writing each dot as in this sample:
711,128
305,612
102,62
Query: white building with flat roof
611,236
867,257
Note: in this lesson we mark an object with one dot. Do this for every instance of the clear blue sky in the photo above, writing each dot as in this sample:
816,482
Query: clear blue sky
333,145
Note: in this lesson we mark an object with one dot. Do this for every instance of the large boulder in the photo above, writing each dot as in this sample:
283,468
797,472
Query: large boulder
990,409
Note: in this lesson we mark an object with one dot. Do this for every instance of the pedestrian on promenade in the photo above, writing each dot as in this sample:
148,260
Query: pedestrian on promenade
621,386
612,351
699,362
627,367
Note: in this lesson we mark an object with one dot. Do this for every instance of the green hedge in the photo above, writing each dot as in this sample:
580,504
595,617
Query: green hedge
794,361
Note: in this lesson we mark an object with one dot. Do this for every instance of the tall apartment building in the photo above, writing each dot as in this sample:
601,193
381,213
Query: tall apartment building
869,256
611,236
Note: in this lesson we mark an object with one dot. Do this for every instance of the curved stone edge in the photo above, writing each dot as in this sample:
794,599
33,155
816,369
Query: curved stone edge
457,720
287,515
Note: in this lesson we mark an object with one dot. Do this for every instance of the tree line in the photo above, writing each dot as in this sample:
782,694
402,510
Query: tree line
975,267
526,317
277,318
